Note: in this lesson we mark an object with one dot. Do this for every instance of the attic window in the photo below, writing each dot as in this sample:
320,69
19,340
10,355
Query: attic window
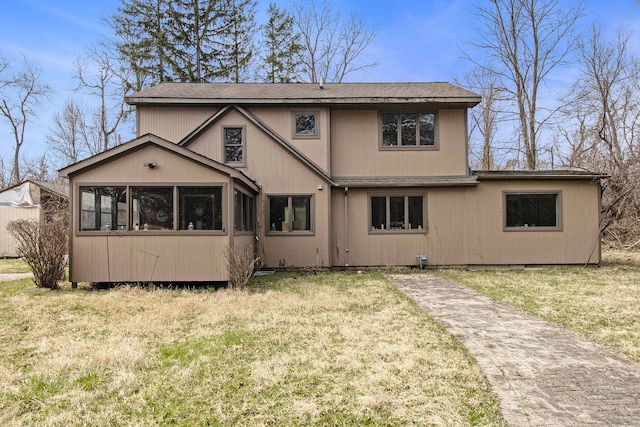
234,146
408,130
305,125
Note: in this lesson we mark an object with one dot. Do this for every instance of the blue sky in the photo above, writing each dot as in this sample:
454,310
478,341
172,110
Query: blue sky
416,40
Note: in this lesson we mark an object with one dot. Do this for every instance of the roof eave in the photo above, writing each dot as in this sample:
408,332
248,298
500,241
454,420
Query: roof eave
464,101
529,176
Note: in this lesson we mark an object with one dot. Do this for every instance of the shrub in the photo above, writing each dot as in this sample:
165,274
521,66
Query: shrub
43,247
241,264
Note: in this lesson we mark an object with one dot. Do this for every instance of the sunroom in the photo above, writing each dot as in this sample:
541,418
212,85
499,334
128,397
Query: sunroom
152,211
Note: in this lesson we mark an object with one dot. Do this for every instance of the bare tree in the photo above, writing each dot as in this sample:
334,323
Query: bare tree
486,117
67,137
99,75
20,95
527,39
606,108
331,47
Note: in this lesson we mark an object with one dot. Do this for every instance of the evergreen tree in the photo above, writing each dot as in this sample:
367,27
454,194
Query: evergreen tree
281,48
237,42
196,30
141,30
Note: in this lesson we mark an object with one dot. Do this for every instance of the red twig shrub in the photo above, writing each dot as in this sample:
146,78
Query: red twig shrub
43,246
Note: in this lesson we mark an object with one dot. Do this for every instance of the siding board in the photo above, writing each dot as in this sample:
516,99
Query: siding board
465,227
355,147
171,123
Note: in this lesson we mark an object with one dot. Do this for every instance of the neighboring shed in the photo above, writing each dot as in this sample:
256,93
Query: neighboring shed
31,199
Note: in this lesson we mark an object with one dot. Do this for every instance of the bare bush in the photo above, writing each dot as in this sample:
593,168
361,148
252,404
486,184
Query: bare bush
43,247
241,264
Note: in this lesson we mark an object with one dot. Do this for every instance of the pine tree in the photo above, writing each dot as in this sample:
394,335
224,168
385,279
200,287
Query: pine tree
237,42
281,48
140,27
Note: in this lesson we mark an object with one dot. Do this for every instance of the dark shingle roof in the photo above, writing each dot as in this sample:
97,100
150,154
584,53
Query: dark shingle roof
304,93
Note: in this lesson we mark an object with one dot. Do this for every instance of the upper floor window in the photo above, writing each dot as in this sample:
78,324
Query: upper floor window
532,211
234,146
397,213
408,130
305,125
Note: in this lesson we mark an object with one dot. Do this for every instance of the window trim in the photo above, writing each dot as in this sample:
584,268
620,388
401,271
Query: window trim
559,212
406,195
290,196
417,147
243,129
296,135
128,231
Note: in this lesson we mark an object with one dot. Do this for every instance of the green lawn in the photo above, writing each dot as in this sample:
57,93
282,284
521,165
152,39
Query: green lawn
327,349
600,303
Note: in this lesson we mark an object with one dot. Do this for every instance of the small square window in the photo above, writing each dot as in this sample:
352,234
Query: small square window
305,125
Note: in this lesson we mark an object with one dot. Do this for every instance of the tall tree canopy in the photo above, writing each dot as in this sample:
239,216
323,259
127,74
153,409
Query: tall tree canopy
524,41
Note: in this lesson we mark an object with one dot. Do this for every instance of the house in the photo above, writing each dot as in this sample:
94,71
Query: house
31,199
332,175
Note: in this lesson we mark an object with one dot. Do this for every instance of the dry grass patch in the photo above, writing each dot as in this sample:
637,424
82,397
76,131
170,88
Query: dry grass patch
332,349
601,303
13,265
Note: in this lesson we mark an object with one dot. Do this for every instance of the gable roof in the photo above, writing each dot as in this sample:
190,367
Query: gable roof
264,128
305,93
150,139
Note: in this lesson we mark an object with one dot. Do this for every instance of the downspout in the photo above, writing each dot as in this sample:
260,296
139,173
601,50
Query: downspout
346,226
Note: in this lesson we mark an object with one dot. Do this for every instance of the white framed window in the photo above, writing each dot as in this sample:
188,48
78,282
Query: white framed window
290,214
397,213
532,211
408,130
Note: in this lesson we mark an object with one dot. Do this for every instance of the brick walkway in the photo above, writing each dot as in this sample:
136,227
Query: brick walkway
544,375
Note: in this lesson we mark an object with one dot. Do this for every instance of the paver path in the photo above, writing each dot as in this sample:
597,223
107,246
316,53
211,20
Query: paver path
7,277
543,374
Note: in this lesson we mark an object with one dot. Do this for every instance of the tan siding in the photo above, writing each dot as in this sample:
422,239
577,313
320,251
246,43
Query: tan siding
130,169
130,256
124,258
355,147
277,172
465,227
7,242
488,243
171,123
281,121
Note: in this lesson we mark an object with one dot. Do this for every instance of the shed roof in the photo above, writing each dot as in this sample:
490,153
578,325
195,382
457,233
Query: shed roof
537,175
304,93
